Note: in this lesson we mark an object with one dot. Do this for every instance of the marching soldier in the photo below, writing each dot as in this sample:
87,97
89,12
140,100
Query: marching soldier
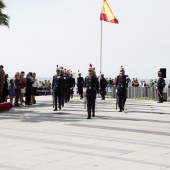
62,74
103,85
71,84
121,85
80,84
57,90
67,86
92,88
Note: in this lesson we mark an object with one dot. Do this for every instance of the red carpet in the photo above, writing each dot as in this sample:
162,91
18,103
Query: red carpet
5,106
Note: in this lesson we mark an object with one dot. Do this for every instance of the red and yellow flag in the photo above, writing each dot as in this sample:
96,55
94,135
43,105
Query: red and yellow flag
107,14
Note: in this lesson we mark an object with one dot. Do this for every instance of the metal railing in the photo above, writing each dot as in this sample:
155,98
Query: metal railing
142,93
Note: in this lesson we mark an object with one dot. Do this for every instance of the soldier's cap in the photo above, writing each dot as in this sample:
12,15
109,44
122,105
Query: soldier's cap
102,75
122,71
57,70
90,69
1,66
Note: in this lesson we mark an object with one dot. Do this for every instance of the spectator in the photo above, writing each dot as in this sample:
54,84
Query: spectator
23,86
29,83
11,90
5,92
40,87
34,88
17,83
151,83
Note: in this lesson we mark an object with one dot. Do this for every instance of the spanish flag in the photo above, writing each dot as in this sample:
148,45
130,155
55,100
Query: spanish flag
107,14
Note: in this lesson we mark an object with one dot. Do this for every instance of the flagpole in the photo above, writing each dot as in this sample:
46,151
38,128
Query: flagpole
101,50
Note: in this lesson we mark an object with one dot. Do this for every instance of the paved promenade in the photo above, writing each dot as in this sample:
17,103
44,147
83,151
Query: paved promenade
37,138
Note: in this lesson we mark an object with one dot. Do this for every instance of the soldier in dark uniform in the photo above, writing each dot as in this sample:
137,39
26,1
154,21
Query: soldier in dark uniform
62,74
160,86
71,84
103,85
92,88
67,86
57,90
80,85
121,85
64,84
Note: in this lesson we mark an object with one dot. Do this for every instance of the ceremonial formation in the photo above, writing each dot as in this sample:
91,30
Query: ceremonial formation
64,85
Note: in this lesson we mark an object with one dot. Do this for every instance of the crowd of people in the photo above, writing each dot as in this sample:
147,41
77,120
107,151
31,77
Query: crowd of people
135,83
16,88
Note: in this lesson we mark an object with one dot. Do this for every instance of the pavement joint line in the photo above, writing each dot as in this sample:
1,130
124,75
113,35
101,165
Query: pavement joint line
42,139
110,157
121,129
76,145
128,141
5,166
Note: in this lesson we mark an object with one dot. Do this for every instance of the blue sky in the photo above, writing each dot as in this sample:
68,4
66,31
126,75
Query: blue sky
45,33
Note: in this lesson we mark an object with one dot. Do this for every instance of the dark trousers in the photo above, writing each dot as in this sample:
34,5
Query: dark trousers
66,95
63,97
103,92
57,99
16,99
71,93
80,91
91,105
28,96
121,99
160,95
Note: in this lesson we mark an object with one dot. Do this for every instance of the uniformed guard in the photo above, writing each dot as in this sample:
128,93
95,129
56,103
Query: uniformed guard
160,86
68,86
121,85
57,90
92,88
103,85
80,85
71,84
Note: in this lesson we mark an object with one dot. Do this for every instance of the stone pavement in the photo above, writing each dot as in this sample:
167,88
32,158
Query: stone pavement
37,138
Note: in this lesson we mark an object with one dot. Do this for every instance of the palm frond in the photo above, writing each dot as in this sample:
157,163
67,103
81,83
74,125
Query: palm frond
4,19
2,5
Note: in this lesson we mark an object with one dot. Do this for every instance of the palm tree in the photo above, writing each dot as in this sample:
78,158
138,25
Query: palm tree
4,19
